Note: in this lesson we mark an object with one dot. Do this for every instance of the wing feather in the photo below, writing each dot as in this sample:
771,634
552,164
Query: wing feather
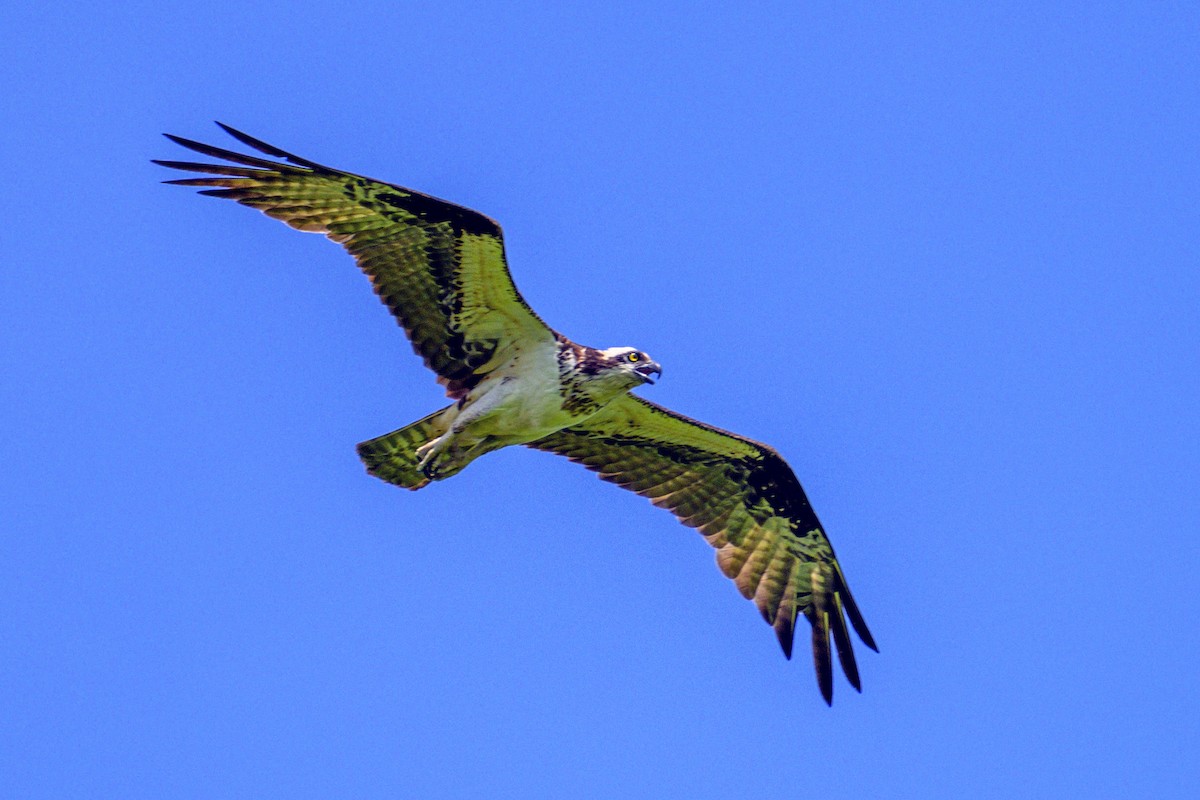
438,267
747,503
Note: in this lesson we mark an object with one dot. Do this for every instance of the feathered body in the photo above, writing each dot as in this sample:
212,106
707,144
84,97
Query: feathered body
440,268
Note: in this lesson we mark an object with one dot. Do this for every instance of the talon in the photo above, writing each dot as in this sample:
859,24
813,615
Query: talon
429,467
427,452
438,457
424,454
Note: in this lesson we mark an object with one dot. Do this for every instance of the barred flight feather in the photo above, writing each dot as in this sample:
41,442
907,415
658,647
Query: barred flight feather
768,540
441,270
377,222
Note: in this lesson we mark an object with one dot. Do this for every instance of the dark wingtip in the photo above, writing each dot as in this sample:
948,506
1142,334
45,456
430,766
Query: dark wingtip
845,651
270,149
247,139
822,658
785,632
180,140
857,621
856,618
226,155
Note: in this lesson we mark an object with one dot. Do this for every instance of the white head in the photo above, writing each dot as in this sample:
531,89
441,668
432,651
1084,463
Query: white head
632,361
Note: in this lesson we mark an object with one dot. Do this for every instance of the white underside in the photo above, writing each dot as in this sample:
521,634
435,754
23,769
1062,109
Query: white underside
517,402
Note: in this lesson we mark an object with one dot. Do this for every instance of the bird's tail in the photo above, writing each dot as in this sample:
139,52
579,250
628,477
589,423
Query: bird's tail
393,456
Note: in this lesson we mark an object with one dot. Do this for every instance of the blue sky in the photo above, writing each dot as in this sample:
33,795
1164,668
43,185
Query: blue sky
944,258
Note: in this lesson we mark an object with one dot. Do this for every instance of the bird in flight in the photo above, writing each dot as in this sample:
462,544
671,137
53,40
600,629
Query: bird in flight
441,270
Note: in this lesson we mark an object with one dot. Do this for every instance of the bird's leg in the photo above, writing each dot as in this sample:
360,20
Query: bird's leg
428,451
444,457
455,448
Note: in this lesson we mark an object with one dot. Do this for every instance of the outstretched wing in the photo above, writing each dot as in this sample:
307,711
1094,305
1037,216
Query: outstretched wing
746,501
439,267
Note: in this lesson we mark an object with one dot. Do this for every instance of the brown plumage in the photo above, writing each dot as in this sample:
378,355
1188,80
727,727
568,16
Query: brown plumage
438,267
745,500
441,270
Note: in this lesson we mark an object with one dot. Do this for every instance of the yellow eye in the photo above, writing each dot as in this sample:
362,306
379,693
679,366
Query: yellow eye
633,358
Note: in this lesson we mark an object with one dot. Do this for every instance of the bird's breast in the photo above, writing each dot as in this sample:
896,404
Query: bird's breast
526,398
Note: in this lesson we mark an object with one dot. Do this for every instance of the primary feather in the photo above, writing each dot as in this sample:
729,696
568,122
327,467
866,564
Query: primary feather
441,270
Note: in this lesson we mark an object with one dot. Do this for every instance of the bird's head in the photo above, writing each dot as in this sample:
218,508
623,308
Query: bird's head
632,362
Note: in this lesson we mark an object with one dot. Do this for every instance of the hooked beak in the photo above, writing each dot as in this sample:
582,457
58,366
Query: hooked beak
648,369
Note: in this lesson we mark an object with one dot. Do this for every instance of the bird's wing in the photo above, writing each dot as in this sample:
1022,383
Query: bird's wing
745,500
439,267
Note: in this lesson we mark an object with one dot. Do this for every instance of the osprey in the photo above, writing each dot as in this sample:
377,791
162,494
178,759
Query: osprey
441,270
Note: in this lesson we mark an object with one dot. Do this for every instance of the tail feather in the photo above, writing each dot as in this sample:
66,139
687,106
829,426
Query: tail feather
393,456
